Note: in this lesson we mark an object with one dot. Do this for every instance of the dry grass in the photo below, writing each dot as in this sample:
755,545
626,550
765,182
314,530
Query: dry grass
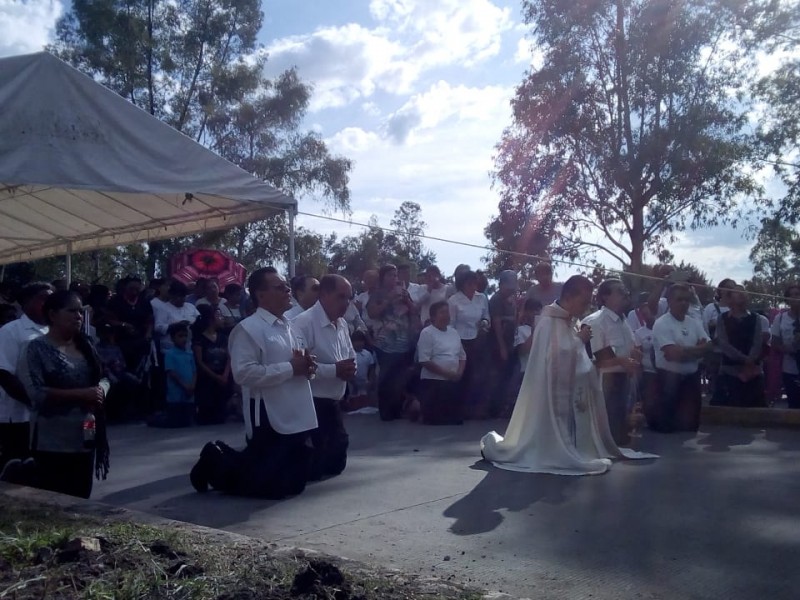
141,561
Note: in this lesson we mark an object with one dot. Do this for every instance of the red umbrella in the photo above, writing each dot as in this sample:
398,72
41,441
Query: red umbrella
189,265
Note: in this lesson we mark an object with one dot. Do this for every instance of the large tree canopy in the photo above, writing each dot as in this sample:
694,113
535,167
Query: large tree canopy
780,93
631,126
195,65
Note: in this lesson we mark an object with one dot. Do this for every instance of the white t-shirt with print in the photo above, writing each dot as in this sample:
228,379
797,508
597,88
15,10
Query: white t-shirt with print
668,331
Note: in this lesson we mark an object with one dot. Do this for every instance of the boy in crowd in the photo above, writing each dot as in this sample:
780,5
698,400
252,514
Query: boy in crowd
181,373
362,385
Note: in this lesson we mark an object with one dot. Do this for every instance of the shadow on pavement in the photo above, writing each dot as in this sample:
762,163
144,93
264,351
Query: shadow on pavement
479,510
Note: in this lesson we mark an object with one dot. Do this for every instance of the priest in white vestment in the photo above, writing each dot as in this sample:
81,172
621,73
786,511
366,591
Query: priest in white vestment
559,424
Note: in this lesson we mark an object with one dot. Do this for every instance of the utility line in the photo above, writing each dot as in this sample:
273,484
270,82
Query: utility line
530,257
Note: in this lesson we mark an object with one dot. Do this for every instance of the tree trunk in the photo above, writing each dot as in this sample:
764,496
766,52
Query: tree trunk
637,243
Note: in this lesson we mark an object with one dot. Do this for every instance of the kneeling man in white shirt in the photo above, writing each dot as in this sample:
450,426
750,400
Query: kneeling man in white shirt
680,343
323,331
274,371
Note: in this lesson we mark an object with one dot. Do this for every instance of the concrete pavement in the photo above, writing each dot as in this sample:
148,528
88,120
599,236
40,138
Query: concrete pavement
715,517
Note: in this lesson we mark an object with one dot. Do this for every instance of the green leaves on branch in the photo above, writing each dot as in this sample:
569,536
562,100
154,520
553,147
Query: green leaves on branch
632,128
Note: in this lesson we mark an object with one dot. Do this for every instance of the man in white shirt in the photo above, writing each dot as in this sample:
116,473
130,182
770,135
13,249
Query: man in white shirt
325,334
680,343
615,353
442,357
274,372
786,339
176,310
305,291
14,414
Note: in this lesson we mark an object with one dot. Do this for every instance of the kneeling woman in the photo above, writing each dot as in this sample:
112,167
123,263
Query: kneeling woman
62,375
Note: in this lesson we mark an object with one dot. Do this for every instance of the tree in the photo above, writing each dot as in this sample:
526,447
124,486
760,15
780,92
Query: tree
195,65
409,227
99,266
779,125
375,246
774,256
632,130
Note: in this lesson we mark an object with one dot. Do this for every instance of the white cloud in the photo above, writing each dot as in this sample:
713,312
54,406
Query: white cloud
447,31
351,62
343,63
352,140
27,26
371,109
444,166
441,102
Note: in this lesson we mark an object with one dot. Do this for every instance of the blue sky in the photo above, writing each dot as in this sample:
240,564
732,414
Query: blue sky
417,93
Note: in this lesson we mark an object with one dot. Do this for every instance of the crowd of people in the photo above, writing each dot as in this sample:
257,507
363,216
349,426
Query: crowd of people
288,357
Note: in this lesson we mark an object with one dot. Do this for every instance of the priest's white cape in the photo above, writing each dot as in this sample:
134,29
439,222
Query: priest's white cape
559,424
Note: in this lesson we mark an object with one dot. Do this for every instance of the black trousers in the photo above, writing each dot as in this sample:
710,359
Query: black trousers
392,380
15,442
329,440
735,392
617,392
441,402
70,473
476,379
677,405
791,385
272,465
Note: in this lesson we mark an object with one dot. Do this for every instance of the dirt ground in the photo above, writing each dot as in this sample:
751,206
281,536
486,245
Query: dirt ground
47,553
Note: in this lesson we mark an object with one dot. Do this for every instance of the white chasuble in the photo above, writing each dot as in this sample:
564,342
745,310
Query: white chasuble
559,424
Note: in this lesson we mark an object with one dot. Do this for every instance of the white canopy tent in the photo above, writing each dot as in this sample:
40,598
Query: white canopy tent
82,168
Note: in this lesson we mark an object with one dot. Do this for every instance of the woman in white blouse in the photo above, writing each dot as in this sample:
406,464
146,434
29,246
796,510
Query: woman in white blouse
469,316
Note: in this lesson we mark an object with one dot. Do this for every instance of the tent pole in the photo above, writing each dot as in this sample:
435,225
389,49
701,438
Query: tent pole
291,243
69,264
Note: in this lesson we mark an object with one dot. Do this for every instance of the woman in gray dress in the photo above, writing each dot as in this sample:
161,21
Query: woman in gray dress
62,375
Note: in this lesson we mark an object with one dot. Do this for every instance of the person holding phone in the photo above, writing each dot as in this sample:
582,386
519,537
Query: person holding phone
327,337
395,321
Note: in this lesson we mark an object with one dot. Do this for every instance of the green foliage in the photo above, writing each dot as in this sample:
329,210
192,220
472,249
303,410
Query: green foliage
779,126
775,257
352,255
104,266
632,128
